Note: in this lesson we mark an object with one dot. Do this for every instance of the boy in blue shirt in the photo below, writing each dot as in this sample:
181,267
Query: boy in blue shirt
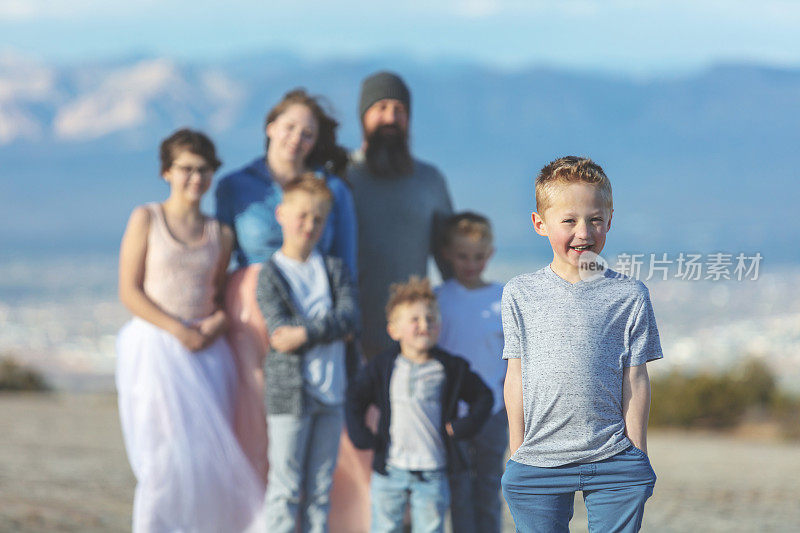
471,328
577,393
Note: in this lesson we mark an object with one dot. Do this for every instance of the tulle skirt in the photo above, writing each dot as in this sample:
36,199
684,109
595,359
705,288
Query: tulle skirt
247,333
176,409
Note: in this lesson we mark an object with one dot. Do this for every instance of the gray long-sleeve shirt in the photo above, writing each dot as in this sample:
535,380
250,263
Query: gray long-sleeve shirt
398,218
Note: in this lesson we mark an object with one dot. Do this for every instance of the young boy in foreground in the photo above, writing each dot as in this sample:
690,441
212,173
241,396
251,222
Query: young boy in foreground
416,386
309,304
577,391
471,328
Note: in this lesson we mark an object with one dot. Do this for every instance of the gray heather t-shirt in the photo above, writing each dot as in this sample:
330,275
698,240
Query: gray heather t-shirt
415,393
574,341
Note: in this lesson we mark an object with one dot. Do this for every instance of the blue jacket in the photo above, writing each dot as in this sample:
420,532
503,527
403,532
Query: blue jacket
371,387
246,200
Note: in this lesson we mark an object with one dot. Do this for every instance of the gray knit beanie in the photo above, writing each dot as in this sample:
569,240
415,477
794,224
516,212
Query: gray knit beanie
383,85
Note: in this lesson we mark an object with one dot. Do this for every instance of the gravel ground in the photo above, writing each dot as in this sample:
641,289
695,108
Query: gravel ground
63,468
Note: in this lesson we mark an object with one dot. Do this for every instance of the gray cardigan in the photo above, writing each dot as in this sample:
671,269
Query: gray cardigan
283,372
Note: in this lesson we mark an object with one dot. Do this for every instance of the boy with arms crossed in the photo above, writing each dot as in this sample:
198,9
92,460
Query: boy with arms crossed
309,304
416,386
471,328
577,391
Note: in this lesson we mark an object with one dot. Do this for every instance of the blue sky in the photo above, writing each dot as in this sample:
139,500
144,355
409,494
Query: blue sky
631,36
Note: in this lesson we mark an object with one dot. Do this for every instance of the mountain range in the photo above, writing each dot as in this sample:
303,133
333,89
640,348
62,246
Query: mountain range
700,162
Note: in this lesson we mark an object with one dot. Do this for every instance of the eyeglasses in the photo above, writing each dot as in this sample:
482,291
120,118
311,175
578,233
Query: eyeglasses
204,171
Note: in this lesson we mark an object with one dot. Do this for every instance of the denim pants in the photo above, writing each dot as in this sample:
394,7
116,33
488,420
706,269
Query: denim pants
302,455
426,491
476,505
614,490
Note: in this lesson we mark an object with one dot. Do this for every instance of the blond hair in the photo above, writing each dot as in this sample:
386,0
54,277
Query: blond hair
466,224
309,183
568,170
414,290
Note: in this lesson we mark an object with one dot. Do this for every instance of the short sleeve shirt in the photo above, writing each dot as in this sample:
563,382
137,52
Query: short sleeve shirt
471,328
574,341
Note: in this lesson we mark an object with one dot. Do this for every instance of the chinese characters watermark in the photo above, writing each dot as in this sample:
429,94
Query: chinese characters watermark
682,266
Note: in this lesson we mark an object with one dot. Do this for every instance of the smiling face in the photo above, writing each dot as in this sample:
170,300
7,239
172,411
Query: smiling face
576,221
415,325
189,176
388,115
468,256
302,218
292,134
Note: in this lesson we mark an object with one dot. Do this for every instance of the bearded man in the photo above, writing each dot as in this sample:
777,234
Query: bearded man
400,203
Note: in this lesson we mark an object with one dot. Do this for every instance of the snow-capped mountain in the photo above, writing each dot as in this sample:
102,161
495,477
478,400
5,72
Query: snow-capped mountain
46,104
688,155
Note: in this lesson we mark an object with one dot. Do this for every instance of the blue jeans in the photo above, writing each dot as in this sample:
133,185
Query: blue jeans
302,455
614,490
475,493
426,490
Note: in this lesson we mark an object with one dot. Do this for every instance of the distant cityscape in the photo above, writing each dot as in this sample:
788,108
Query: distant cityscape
62,316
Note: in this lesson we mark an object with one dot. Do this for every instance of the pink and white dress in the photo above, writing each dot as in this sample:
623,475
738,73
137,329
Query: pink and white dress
176,406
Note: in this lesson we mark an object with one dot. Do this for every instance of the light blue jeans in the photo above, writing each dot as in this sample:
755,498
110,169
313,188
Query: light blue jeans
475,493
614,490
426,491
302,455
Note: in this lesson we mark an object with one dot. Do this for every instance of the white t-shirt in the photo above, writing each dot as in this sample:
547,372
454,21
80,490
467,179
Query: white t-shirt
323,364
472,328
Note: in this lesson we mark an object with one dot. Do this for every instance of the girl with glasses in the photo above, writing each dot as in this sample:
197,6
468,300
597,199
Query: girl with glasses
175,373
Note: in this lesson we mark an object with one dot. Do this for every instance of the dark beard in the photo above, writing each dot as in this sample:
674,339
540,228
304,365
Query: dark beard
387,152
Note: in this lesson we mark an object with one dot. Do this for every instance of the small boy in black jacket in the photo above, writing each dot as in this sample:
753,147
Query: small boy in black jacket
416,386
